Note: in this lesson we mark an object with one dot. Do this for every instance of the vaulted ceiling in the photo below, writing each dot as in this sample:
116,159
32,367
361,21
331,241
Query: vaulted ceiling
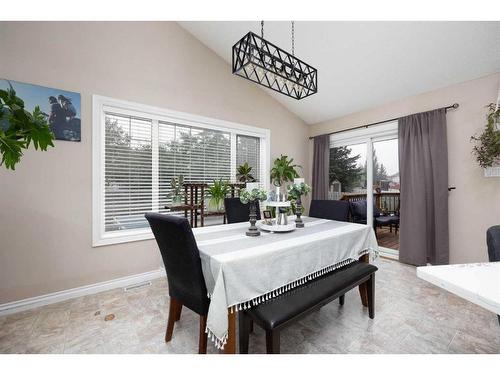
366,64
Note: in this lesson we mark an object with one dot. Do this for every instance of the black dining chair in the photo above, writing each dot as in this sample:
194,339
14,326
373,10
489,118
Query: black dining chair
329,209
237,212
181,257
493,242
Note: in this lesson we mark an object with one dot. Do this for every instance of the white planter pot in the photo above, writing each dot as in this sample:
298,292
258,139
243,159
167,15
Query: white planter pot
492,171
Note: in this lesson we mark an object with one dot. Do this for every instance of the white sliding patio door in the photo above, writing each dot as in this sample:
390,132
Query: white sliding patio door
364,166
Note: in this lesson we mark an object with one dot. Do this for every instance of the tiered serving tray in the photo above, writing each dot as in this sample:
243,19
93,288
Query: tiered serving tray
276,228
276,204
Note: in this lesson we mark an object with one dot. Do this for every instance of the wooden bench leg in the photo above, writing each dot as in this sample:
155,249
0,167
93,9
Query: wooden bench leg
202,340
363,292
173,313
272,342
244,331
342,300
370,287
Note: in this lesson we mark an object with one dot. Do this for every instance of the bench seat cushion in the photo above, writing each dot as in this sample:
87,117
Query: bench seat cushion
279,310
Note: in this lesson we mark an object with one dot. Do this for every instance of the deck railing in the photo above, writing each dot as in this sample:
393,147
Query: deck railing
386,201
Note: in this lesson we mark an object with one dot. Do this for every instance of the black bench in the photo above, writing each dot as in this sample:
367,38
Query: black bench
276,314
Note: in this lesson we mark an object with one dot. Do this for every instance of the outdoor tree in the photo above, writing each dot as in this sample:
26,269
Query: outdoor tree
344,168
379,170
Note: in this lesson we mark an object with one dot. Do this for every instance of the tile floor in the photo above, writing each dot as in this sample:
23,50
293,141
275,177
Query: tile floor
412,316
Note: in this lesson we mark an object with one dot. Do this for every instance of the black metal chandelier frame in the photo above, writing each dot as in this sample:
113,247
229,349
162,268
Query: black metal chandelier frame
262,62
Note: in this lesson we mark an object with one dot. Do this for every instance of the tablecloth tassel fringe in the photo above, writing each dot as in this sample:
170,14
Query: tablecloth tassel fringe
218,342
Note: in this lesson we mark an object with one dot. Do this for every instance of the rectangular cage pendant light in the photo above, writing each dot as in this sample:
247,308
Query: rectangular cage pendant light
262,62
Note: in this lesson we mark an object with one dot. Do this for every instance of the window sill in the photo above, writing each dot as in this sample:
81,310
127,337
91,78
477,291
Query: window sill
121,237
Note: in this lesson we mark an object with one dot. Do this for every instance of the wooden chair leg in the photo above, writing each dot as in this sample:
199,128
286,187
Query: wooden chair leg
244,331
202,341
342,300
272,342
174,311
178,316
370,287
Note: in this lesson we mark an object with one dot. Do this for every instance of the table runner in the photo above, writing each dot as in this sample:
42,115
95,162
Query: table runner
241,271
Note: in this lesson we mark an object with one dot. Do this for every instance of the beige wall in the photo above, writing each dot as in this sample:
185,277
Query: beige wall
475,204
45,205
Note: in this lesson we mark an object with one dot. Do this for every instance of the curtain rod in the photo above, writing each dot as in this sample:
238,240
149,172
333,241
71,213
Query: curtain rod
453,106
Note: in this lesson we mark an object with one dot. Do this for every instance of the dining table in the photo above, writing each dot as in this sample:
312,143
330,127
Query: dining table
478,283
242,271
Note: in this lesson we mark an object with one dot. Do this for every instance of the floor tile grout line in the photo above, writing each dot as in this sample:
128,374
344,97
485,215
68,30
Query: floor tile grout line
453,338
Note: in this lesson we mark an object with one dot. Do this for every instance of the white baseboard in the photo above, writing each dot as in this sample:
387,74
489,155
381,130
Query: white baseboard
47,299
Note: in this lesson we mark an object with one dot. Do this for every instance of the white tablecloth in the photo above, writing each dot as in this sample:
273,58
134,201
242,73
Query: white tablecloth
242,271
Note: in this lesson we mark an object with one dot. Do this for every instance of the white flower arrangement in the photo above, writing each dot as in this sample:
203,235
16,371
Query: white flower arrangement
253,195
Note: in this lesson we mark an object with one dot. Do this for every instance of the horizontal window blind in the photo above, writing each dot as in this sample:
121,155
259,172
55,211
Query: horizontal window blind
248,150
127,172
199,155
138,150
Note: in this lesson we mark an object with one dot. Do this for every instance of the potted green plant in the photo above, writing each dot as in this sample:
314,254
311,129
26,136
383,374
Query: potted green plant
176,193
487,144
295,193
216,194
250,197
243,173
283,171
19,128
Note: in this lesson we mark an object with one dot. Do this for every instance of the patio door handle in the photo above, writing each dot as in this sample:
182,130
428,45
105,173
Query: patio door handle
451,188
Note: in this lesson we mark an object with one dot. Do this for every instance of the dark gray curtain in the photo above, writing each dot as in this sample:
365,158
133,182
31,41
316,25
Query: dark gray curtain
423,168
321,165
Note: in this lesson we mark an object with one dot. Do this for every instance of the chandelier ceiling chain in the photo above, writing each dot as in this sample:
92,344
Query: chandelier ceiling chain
264,63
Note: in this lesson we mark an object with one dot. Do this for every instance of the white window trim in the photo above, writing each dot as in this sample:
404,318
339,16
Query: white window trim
101,103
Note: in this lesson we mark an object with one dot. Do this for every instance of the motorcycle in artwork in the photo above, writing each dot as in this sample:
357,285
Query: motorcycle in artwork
62,108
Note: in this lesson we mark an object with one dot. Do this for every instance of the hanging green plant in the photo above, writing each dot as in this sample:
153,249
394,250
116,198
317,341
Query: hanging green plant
487,144
19,128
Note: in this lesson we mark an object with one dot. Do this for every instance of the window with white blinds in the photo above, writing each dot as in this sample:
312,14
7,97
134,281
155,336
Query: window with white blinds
248,151
138,149
127,172
199,155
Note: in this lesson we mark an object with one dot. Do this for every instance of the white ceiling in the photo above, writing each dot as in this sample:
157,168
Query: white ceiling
365,64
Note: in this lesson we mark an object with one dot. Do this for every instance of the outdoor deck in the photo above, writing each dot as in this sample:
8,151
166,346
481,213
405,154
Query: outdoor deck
388,239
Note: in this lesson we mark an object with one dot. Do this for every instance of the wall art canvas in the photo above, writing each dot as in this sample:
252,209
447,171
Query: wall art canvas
61,108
